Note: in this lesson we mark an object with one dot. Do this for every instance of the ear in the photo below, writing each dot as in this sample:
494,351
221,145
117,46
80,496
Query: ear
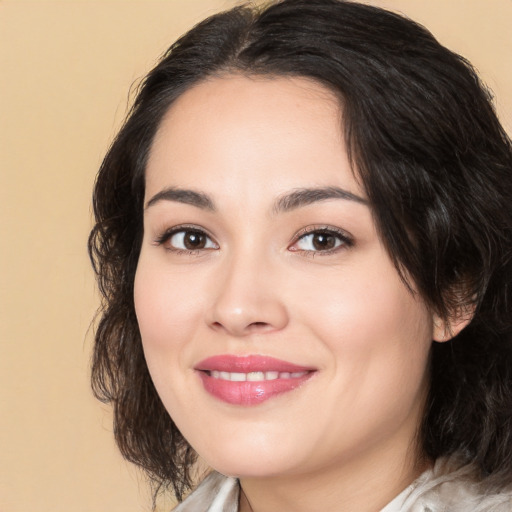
446,329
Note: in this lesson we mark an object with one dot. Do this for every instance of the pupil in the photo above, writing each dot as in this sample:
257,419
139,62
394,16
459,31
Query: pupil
323,241
194,240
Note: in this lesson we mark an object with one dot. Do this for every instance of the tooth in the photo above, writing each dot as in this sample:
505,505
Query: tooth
255,376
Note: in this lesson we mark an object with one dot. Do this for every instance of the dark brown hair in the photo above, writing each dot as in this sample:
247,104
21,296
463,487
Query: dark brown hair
436,165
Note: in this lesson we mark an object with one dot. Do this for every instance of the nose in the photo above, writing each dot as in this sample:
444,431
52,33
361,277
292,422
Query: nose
247,300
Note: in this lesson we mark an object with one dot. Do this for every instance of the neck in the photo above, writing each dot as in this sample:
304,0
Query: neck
361,485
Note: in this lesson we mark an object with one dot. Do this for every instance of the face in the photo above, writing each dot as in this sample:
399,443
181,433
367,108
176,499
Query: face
275,327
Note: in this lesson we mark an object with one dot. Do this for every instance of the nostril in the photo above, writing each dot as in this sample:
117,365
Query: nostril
241,329
257,326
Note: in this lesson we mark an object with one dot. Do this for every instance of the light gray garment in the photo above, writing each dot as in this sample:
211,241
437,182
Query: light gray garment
216,493
447,487
450,487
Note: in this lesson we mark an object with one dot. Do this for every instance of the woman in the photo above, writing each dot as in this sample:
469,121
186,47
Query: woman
303,240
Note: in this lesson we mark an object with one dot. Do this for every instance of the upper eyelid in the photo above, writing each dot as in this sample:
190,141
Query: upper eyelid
165,234
347,240
308,230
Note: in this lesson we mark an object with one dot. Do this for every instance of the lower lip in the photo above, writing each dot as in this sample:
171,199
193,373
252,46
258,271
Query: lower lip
247,392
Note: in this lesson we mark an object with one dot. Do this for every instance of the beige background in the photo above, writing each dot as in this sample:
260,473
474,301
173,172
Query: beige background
65,72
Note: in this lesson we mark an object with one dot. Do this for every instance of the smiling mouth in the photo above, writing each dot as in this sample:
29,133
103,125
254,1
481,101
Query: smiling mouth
250,380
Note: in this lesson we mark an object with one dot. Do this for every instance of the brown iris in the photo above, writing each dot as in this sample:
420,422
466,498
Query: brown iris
323,241
194,240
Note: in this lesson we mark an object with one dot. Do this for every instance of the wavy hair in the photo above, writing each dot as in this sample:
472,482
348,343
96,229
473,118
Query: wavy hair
436,165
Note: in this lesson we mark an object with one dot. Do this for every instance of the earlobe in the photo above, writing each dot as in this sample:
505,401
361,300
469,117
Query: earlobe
446,329
439,329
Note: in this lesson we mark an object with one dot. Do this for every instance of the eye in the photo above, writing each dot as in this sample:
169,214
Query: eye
186,239
325,240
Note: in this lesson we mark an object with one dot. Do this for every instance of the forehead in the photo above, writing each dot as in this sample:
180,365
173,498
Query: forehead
249,131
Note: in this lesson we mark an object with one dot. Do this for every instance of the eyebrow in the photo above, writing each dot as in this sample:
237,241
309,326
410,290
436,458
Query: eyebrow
304,196
185,196
288,202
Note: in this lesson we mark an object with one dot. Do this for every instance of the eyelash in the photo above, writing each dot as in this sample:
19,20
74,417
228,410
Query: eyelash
169,233
344,239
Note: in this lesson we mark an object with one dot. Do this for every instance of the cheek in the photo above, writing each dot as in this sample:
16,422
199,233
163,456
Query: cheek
367,314
168,314
365,306
377,333
377,337
167,309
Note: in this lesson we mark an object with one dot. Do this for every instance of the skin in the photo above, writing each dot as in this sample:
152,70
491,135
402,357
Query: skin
346,439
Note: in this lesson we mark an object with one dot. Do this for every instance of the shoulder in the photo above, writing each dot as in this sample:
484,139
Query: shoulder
452,487
216,493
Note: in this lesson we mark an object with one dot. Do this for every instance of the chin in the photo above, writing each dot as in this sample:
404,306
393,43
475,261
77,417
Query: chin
249,468
251,460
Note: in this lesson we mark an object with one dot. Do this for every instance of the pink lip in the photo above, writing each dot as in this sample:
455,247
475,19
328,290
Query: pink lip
249,392
251,363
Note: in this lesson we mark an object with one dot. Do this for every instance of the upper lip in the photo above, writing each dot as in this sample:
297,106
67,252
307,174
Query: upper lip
248,364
